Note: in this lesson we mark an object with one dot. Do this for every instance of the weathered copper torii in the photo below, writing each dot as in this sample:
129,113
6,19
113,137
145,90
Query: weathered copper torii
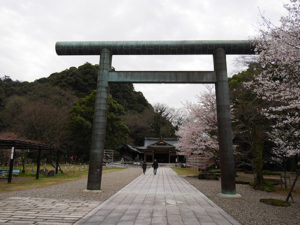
218,49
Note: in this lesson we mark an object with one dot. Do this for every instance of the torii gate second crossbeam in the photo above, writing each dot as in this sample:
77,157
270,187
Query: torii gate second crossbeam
106,50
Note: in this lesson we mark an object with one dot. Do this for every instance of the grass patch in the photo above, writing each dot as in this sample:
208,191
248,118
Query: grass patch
265,172
275,202
186,171
266,186
272,181
217,171
270,172
71,172
247,171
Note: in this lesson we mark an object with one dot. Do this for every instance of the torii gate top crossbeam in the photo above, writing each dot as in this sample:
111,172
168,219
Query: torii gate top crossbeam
237,47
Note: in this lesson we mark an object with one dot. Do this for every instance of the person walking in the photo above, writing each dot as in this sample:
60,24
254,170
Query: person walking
155,166
144,166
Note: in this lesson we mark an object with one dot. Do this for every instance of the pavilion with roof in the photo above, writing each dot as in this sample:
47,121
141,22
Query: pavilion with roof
164,150
10,140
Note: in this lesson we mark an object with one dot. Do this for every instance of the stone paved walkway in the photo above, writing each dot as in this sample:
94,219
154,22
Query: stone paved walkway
43,211
165,199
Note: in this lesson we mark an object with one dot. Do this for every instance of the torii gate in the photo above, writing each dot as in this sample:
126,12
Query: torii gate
106,50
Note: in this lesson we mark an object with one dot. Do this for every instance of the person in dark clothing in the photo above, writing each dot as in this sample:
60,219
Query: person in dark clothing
155,166
144,166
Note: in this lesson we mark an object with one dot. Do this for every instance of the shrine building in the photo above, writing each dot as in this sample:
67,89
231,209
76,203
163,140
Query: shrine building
164,150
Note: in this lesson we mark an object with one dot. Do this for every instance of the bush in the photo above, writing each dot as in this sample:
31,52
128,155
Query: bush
207,176
242,182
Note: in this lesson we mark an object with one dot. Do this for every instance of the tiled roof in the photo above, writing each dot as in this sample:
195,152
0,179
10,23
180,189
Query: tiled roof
150,141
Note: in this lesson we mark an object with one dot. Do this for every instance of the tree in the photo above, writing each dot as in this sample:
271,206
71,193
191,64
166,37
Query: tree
162,121
82,120
41,114
83,80
198,134
139,125
279,82
249,125
52,99
130,99
43,122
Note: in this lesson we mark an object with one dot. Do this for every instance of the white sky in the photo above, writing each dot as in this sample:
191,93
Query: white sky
30,28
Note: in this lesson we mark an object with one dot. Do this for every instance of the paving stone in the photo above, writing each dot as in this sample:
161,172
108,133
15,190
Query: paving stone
125,223
145,221
205,219
128,217
190,221
20,222
175,219
26,210
162,199
50,223
96,219
103,212
159,213
159,220
212,223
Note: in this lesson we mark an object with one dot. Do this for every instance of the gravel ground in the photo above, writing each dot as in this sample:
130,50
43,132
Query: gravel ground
74,190
248,210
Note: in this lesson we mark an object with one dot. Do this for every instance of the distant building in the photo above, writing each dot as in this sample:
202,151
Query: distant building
164,150
129,153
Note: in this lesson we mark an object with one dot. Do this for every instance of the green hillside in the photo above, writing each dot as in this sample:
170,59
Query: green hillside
58,110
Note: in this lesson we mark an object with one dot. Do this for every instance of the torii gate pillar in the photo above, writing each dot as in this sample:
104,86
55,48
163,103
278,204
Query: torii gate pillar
99,122
224,123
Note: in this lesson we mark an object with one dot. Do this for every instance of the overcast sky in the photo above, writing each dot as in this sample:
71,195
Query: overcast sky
30,28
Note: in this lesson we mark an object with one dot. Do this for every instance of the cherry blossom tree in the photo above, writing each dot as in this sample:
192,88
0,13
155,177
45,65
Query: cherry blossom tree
279,81
198,134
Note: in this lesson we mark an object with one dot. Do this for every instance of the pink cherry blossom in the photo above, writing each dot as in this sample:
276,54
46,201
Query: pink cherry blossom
198,134
279,82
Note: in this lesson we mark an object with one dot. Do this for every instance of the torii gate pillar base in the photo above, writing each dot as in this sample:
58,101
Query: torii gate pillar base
221,195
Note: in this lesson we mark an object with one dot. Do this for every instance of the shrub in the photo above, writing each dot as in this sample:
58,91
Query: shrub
242,182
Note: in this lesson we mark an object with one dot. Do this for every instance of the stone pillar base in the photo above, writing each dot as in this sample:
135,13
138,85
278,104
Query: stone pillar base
92,191
221,195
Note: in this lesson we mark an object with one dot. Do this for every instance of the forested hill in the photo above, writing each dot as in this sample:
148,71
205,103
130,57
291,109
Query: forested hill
83,80
58,110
